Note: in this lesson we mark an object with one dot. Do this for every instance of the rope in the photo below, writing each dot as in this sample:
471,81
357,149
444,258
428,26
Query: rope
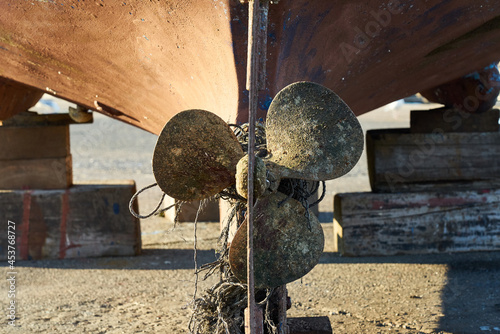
132,201
298,190
322,194
192,321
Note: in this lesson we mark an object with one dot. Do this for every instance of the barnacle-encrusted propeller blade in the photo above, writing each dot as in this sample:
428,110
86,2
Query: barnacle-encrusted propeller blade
312,133
284,247
195,156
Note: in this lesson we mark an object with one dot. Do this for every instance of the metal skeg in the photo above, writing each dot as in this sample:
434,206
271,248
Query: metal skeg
252,326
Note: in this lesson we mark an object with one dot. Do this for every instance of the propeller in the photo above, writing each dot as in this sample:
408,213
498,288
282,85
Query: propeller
311,135
195,156
287,245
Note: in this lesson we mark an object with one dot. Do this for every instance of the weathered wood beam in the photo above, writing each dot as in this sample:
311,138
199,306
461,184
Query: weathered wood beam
16,97
85,220
399,160
376,224
453,120
35,157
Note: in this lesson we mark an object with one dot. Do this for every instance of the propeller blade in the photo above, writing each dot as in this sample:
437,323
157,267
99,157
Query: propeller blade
311,133
195,156
284,247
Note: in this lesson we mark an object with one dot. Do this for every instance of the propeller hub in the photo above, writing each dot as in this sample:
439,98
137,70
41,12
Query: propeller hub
259,178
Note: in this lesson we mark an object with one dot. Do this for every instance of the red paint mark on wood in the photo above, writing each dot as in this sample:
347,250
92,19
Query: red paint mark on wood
25,227
447,202
377,205
64,220
434,202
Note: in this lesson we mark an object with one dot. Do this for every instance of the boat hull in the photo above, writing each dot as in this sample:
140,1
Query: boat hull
143,62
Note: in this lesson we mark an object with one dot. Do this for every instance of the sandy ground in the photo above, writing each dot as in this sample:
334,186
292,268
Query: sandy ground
150,293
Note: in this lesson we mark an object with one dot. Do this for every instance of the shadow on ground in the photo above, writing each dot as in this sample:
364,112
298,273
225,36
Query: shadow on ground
150,259
472,297
470,300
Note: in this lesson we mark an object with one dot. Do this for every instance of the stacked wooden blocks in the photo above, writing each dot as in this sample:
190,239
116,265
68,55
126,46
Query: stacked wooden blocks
436,188
36,155
54,218
187,212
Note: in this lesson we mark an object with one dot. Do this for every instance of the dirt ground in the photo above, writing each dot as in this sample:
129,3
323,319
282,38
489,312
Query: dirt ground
150,293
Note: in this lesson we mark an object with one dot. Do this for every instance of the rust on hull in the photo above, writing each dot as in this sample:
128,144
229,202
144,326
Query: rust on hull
143,62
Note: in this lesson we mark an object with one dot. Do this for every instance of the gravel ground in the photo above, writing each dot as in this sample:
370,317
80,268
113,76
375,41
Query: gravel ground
150,293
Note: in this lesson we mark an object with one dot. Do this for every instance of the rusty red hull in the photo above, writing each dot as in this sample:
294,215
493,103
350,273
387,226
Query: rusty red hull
143,62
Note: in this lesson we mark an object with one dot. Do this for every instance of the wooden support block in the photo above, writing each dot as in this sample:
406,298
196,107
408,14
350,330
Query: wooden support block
224,212
376,224
50,173
34,142
31,119
35,157
310,325
209,211
188,210
337,237
402,161
85,220
16,97
453,120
